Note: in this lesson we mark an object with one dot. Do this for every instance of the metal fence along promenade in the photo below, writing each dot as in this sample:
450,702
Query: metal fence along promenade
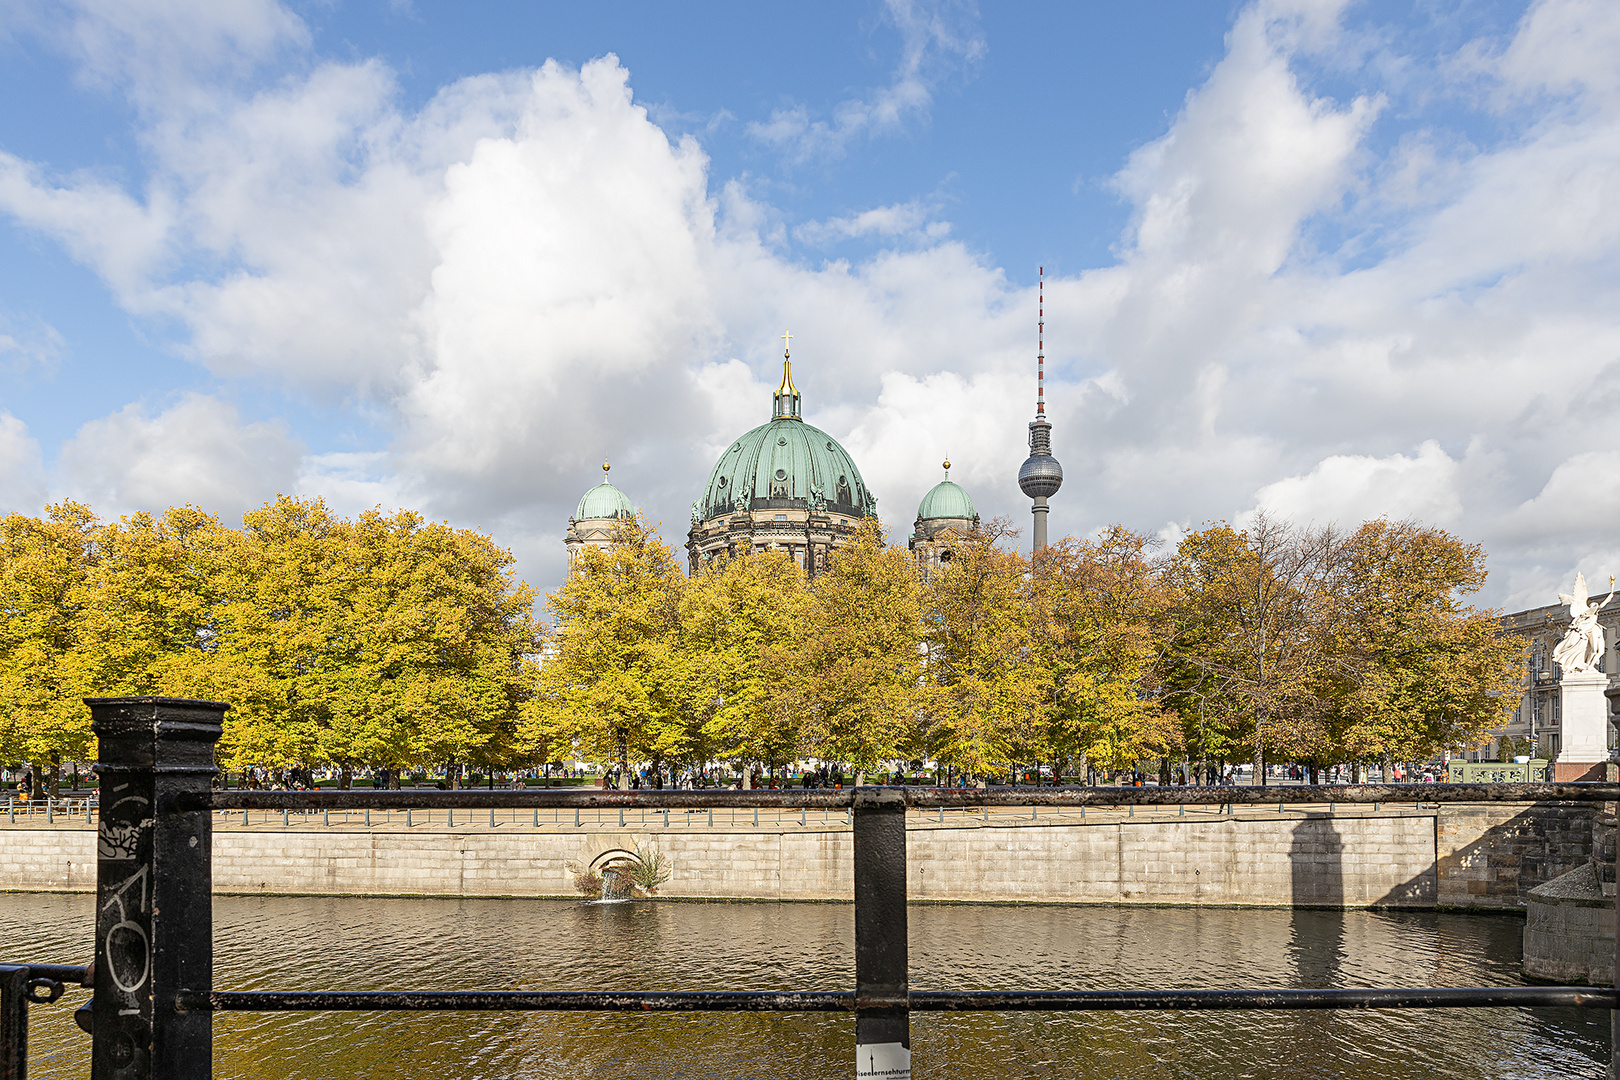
151,1011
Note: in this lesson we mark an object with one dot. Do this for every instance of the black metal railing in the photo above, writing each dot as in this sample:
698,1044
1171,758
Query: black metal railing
153,1003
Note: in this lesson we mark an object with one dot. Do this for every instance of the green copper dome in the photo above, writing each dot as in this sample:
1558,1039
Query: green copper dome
603,501
946,500
786,464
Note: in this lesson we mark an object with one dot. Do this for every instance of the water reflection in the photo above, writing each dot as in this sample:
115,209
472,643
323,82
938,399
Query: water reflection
313,943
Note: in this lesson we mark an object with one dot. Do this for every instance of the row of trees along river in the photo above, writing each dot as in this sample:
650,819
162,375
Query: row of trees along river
388,641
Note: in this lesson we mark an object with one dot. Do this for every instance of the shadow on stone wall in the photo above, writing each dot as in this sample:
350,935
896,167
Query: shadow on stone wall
1486,856
1316,862
1489,856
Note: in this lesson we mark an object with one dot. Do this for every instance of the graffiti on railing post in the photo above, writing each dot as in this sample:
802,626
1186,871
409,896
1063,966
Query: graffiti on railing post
154,914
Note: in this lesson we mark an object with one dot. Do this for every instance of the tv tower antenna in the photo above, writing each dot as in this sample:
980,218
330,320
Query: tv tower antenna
1041,475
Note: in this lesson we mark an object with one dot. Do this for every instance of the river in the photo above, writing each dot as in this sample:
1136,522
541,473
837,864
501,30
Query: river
331,943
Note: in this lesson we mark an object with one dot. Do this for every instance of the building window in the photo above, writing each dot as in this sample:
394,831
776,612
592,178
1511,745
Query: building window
781,517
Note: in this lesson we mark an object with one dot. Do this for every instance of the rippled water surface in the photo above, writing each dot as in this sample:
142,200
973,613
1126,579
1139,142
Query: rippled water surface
320,943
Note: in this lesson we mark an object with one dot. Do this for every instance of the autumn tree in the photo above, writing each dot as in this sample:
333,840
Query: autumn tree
611,683
742,621
1416,668
1252,632
987,697
45,670
1101,623
159,594
386,640
858,668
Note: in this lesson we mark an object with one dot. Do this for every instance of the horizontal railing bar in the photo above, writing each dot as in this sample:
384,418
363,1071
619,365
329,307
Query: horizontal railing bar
1579,997
539,1000
919,797
62,973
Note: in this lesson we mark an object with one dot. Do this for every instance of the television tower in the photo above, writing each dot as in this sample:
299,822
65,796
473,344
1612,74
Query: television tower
1041,475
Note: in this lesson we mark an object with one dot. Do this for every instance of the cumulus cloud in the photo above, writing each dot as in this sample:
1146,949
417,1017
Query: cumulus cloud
527,275
1348,488
197,451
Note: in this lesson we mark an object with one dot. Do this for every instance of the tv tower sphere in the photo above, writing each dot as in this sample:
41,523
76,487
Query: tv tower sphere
1040,476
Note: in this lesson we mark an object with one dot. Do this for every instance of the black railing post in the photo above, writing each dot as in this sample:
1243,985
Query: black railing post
13,1022
154,903
882,1013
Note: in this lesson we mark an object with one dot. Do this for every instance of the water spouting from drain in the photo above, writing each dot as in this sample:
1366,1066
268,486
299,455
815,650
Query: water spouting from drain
615,885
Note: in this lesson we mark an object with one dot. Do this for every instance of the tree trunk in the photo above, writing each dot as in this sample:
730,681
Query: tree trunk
1259,762
36,782
624,763
345,777
56,776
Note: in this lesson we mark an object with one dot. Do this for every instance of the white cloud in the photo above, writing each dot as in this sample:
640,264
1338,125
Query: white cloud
528,274
1580,499
197,451
1348,488
908,219
22,470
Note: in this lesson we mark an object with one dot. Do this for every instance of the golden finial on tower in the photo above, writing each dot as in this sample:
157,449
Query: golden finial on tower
787,339
605,468
947,467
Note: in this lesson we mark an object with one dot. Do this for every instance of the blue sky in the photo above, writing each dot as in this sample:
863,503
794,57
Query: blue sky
1327,259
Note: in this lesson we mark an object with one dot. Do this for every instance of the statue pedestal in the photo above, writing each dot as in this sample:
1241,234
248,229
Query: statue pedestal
1583,726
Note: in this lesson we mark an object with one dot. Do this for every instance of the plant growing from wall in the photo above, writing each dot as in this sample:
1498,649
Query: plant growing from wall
651,869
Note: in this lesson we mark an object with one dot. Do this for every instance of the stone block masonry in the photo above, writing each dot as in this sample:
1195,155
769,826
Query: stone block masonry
1454,856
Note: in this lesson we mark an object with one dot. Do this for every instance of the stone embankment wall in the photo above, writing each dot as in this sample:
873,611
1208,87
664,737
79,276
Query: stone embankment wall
1484,856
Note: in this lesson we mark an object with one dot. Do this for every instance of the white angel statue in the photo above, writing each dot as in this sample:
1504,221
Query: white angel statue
1582,646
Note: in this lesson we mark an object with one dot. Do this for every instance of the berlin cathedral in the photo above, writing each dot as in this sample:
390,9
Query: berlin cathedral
784,486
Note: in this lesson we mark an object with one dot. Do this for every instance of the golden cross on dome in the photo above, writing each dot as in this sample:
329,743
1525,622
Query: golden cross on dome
787,340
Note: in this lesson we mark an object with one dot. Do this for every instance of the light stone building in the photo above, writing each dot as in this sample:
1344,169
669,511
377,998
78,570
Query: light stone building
599,510
945,515
1537,720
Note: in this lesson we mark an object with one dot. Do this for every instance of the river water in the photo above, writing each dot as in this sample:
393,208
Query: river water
332,943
